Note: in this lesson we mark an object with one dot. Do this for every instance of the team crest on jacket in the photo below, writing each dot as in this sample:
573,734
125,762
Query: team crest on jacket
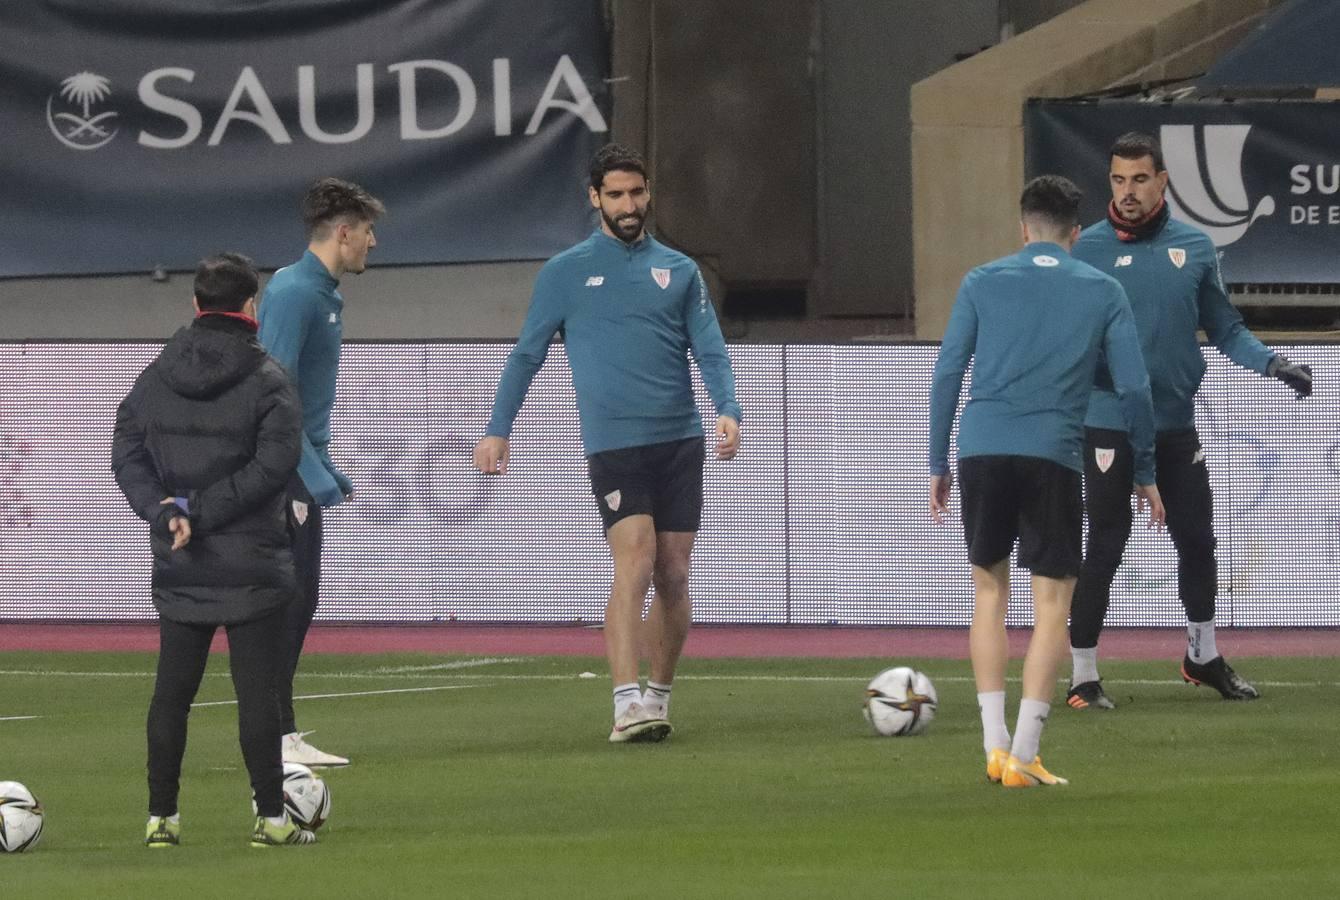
614,498
662,277
1104,458
1178,256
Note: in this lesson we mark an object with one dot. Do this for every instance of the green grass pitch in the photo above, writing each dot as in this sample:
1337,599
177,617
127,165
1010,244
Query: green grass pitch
495,780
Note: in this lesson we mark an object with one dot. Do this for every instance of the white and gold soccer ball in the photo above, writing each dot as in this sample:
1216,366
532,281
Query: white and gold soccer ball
306,796
899,702
21,818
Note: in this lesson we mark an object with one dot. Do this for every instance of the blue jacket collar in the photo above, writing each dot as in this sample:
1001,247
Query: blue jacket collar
640,244
312,265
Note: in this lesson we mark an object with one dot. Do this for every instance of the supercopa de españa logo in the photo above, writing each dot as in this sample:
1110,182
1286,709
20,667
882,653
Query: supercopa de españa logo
74,114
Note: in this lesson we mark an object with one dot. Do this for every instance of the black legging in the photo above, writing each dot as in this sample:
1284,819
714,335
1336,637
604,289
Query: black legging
253,656
306,543
1184,486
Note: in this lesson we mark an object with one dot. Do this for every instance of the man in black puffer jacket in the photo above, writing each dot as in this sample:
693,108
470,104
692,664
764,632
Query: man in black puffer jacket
205,443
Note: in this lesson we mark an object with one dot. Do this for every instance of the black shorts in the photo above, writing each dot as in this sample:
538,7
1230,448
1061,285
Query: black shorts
664,481
1035,500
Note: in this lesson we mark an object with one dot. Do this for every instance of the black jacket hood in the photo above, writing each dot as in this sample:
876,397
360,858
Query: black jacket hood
211,355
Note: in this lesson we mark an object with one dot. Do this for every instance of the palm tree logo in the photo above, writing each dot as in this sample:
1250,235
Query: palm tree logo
82,91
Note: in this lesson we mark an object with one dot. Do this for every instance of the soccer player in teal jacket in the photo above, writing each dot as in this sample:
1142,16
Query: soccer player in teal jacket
630,311
1037,327
1170,271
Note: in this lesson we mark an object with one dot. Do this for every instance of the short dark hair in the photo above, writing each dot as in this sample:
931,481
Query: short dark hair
332,199
615,157
1137,145
225,282
1052,201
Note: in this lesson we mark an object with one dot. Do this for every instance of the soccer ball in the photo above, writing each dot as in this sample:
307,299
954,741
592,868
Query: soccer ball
306,797
900,701
21,818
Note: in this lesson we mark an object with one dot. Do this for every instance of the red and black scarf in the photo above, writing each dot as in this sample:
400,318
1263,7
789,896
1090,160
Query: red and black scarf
1144,228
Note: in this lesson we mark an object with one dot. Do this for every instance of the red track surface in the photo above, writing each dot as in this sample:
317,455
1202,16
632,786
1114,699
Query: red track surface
704,641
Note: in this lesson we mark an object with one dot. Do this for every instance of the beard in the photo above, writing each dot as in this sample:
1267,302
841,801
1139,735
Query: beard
627,227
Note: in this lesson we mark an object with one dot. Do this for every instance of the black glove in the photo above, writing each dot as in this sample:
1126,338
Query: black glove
1297,377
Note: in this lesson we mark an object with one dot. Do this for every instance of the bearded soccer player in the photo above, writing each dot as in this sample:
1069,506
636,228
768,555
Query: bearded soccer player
630,311
1170,271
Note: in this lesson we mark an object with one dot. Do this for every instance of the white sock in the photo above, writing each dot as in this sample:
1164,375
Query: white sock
657,695
1085,662
175,818
1200,641
276,821
625,695
1028,730
995,733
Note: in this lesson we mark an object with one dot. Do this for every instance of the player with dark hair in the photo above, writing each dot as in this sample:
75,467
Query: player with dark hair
1170,271
301,325
630,310
205,443
1037,327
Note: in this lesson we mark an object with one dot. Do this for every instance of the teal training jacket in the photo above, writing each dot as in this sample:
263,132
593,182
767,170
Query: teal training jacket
1037,327
1173,283
301,318
629,315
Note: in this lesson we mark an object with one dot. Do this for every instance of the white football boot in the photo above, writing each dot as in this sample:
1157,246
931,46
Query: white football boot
297,750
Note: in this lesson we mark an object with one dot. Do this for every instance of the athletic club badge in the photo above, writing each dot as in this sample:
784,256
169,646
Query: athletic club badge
300,512
614,498
662,277
1104,458
1178,256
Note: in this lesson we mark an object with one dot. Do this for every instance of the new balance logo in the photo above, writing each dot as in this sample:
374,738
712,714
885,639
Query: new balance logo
1122,261
595,281
1215,201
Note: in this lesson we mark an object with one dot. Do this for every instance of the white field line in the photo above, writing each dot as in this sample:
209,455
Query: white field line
18,718
417,690
378,675
448,666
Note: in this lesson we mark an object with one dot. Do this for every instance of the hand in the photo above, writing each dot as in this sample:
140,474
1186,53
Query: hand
180,526
728,437
1148,495
1297,377
940,485
491,454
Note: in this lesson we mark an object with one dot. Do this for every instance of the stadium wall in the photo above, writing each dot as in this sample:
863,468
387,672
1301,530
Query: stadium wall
822,519
967,120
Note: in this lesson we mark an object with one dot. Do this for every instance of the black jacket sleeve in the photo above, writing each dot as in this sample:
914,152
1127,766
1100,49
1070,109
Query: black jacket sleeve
278,447
133,465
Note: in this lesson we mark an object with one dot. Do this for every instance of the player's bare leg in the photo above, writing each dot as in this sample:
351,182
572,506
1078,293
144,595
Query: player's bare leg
667,625
632,543
990,652
1046,648
987,643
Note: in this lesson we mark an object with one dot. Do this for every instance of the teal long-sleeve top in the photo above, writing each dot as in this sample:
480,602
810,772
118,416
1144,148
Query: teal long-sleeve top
1174,286
1037,327
301,316
629,314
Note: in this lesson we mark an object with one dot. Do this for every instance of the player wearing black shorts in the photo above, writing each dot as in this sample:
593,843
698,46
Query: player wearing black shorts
631,310
1036,326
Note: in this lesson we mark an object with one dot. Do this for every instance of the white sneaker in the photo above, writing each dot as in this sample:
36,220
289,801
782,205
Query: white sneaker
297,750
656,710
638,726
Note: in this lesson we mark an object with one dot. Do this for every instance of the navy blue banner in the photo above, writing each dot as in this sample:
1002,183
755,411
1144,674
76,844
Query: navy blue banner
139,133
1261,178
